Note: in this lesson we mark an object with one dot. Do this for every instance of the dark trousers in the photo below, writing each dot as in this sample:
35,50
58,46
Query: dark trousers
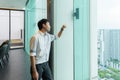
44,71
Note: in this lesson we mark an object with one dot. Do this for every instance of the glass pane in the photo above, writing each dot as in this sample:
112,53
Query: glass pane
17,24
17,28
109,54
108,14
108,39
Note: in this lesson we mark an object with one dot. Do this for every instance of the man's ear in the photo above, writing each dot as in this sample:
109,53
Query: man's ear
43,25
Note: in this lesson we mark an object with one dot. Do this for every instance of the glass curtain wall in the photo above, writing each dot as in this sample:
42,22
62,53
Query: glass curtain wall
105,37
12,27
17,29
108,37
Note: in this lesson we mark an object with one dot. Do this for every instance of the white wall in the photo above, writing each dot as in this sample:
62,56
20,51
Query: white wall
63,49
4,25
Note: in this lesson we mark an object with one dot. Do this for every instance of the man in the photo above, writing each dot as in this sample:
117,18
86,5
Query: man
39,51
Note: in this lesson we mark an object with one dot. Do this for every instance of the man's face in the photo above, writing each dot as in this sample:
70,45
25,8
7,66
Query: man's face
47,26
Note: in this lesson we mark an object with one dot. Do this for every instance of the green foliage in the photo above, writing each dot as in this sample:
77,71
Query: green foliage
115,74
116,77
114,70
103,73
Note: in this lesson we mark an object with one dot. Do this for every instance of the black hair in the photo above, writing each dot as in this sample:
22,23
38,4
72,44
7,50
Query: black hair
41,22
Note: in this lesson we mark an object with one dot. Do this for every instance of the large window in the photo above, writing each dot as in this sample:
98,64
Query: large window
108,39
105,40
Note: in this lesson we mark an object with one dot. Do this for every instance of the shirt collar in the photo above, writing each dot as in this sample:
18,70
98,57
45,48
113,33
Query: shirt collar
43,34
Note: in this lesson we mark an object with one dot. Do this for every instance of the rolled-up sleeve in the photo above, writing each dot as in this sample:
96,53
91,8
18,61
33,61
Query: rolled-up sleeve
33,46
53,37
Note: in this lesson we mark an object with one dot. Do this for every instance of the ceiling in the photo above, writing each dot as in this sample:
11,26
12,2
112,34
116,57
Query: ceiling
13,4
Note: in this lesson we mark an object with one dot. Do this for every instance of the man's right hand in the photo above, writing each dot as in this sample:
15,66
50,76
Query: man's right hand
35,75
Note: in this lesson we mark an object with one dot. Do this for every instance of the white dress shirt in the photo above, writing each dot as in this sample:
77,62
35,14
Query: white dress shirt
40,46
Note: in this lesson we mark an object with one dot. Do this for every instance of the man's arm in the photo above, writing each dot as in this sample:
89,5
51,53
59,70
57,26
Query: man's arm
33,65
60,32
33,44
35,75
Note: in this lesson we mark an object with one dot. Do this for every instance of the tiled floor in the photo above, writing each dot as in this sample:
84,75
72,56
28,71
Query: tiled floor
18,66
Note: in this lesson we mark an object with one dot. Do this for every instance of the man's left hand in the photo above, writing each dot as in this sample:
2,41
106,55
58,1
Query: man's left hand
63,27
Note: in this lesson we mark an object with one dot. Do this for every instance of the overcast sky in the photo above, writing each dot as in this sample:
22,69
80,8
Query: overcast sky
108,14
